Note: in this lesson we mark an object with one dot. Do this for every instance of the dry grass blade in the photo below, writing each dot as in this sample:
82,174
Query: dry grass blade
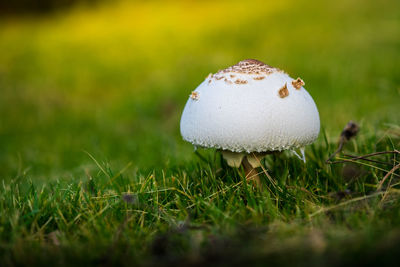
368,165
268,176
98,164
345,203
350,130
386,176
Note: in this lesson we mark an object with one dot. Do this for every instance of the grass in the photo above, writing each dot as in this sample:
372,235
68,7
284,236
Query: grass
312,214
94,170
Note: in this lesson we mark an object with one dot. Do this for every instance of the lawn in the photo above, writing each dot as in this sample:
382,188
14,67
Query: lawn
93,168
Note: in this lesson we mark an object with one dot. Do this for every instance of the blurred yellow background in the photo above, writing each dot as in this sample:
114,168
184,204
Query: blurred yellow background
113,78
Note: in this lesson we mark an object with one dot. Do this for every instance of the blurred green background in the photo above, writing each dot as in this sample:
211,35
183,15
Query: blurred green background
113,78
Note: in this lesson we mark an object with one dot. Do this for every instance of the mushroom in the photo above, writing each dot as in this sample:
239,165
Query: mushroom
250,110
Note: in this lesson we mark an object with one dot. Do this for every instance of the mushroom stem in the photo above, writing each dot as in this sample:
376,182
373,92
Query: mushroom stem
251,173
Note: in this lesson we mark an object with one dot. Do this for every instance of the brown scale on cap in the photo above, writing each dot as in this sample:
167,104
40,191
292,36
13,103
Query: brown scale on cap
194,95
250,66
228,81
283,92
239,81
258,78
298,83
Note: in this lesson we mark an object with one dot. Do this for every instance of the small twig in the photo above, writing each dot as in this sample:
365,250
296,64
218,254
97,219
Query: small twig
378,153
369,160
363,157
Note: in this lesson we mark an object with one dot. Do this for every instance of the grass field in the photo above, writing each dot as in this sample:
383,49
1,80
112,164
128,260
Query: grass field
93,168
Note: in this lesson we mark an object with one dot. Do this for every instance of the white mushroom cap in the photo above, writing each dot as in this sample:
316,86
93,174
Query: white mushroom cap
250,107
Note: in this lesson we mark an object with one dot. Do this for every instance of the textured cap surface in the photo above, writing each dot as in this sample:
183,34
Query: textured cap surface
250,107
